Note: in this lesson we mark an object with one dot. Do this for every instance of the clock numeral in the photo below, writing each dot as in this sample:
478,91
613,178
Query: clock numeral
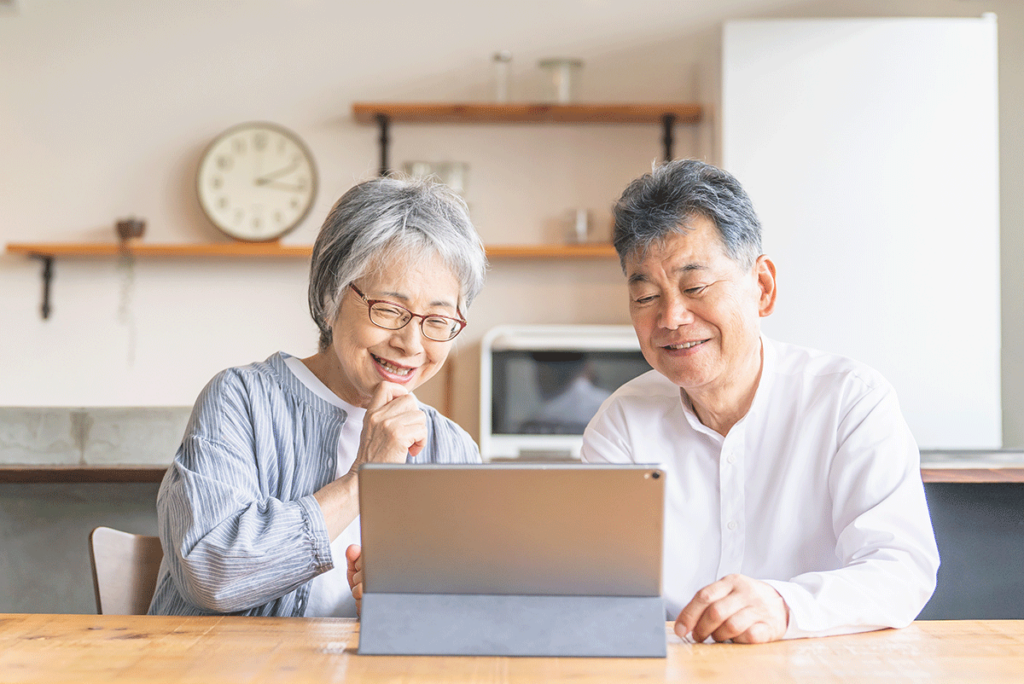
294,203
224,162
239,214
281,146
259,141
222,202
217,181
278,217
239,145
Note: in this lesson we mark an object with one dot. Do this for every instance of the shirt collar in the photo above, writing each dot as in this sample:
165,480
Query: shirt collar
295,387
764,388
767,381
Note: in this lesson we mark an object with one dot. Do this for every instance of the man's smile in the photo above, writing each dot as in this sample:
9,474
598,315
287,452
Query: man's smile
683,345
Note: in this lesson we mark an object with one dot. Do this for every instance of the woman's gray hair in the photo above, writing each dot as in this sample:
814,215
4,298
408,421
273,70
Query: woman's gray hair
662,202
381,220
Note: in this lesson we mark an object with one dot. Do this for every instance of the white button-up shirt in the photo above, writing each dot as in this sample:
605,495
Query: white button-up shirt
817,490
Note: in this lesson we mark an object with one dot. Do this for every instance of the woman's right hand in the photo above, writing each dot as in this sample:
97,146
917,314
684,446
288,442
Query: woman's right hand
394,426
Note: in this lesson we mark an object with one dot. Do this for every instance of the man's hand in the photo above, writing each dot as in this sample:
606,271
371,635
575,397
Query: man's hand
354,556
735,607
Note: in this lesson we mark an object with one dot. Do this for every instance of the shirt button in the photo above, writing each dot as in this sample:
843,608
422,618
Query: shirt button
731,458
733,525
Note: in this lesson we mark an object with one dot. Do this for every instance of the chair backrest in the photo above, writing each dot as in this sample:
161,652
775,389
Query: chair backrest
124,569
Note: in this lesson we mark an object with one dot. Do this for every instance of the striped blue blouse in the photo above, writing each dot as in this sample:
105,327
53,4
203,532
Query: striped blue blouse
240,529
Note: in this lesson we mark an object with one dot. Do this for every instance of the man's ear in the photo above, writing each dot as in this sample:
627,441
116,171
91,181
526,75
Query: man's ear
765,270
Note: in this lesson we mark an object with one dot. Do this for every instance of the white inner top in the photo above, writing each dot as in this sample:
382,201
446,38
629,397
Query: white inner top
330,595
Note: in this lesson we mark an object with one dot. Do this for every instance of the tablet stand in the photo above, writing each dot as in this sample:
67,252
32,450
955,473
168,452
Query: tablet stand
511,625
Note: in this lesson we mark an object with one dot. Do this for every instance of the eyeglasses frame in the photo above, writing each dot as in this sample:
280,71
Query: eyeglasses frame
423,317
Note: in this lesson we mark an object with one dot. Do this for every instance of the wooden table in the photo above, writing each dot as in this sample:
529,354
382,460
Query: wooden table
109,648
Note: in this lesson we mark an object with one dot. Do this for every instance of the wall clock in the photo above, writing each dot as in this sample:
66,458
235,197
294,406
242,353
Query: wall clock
256,181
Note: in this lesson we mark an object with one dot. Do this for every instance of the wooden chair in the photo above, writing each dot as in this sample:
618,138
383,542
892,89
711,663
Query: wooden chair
124,569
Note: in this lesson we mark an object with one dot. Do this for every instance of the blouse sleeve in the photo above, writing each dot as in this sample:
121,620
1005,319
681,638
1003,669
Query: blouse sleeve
229,545
446,442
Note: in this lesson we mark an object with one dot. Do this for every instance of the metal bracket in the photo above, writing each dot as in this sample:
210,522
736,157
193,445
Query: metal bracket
383,122
47,260
667,122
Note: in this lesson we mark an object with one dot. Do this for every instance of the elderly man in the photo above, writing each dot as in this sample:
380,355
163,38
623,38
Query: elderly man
794,500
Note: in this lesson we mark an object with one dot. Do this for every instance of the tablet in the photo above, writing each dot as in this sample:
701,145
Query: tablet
512,559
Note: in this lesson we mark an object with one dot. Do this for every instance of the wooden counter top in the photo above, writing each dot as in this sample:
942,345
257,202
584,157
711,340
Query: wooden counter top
108,648
973,475
69,474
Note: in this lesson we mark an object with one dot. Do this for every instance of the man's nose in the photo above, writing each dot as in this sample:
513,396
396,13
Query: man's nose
675,312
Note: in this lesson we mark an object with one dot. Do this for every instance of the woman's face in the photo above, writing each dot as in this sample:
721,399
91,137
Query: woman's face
363,355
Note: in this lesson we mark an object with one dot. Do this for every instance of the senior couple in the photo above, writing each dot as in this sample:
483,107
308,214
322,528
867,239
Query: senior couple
794,502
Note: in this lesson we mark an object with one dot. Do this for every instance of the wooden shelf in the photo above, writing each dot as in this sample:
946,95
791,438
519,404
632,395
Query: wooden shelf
383,114
274,250
478,112
112,249
595,250
48,252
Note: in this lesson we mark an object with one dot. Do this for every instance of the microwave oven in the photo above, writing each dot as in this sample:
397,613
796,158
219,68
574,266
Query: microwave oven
541,384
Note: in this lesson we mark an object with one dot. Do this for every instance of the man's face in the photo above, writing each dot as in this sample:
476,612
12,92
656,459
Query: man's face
696,311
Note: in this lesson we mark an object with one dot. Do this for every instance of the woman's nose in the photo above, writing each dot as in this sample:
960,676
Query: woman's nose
409,338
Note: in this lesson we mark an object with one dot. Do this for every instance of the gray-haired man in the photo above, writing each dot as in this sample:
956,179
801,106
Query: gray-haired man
794,499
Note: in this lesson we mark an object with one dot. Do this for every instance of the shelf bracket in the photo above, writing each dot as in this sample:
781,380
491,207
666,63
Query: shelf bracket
667,122
47,260
383,122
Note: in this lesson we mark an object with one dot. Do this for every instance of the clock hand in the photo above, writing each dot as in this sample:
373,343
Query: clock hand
277,185
270,177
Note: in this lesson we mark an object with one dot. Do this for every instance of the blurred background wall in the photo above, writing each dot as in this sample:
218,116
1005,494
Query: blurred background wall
107,105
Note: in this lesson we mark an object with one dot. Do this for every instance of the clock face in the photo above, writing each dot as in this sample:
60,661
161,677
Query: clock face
257,181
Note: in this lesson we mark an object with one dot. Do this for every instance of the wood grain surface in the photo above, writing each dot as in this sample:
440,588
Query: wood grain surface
12,473
525,112
274,250
108,648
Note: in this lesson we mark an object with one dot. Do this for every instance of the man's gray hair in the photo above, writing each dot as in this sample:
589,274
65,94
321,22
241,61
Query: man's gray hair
382,220
663,202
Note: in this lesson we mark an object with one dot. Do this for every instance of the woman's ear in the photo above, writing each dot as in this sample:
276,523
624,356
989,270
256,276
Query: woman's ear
765,269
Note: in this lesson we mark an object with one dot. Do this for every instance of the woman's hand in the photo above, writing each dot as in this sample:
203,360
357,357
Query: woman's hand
393,427
354,556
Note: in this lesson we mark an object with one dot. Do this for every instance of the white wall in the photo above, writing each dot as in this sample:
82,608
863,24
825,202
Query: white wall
874,169
106,105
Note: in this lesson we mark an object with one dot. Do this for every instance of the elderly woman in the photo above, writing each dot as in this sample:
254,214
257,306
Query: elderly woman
261,502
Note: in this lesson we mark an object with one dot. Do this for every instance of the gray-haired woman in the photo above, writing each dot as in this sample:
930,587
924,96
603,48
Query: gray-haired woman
261,502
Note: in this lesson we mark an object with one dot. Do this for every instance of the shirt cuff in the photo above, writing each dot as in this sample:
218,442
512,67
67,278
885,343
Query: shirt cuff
316,530
800,604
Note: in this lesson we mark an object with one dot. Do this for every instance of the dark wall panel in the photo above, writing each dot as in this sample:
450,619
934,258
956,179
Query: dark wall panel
980,532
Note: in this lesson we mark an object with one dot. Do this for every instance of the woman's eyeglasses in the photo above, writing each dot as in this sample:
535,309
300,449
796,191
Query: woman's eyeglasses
391,316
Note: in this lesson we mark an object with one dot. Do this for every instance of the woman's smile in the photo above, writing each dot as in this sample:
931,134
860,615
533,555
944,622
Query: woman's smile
392,371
